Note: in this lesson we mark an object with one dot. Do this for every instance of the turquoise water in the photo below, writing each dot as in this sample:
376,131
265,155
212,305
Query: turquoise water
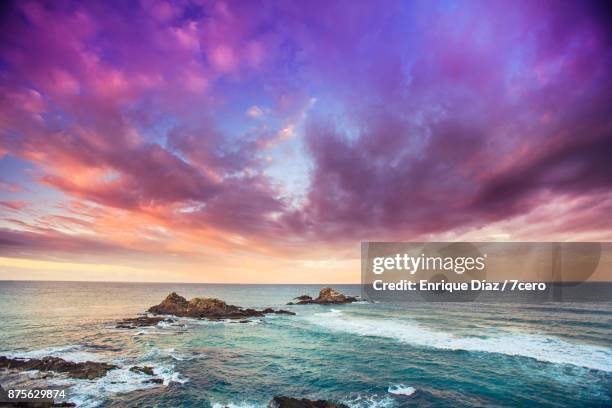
460,354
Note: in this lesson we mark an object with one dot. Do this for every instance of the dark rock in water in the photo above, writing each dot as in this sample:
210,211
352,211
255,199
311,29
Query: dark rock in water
144,369
206,308
85,370
200,307
303,297
284,312
302,300
288,402
37,404
142,321
327,296
148,371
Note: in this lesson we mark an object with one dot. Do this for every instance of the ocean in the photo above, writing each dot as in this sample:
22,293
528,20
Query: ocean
362,354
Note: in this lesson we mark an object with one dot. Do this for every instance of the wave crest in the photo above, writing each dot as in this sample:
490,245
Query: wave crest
538,347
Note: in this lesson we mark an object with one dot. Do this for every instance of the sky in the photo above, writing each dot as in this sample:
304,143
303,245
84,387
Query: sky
262,141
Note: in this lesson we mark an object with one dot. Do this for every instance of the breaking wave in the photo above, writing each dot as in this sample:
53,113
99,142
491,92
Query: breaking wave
542,348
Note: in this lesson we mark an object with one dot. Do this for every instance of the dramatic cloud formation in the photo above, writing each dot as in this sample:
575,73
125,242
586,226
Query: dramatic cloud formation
262,140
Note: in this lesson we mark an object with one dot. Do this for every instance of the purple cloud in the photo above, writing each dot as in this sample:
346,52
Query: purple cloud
430,118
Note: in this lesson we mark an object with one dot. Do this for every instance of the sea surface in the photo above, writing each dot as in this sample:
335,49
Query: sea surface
362,354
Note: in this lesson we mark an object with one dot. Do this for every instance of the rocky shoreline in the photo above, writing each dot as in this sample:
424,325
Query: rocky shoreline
327,296
141,321
289,402
90,370
87,370
207,308
217,309
172,307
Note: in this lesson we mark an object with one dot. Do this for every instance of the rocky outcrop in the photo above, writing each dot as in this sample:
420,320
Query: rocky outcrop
288,402
303,297
327,296
207,308
144,369
141,321
147,371
84,370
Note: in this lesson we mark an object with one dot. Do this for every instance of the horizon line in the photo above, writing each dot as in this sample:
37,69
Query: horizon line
167,282
247,283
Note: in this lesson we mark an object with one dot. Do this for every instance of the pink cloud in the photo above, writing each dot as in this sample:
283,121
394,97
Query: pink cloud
14,205
10,187
446,122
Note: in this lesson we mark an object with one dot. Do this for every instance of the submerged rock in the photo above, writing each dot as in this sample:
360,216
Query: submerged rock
142,321
288,402
327,296
207,308
84,370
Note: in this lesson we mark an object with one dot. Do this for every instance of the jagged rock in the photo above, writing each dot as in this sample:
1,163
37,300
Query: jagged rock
327,296
207,308
144,369
141,321
303,297
284,312
302,300
148,371
83,370
288,402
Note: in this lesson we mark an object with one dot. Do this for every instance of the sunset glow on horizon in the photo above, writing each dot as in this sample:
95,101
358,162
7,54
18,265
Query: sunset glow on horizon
262,141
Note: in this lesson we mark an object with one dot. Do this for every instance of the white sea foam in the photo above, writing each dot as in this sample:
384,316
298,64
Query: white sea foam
153,331
401,389
370,401
156,352
548,349
190,321
235,405
75,353
168,374
183,357
172,353
172,325
91,393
